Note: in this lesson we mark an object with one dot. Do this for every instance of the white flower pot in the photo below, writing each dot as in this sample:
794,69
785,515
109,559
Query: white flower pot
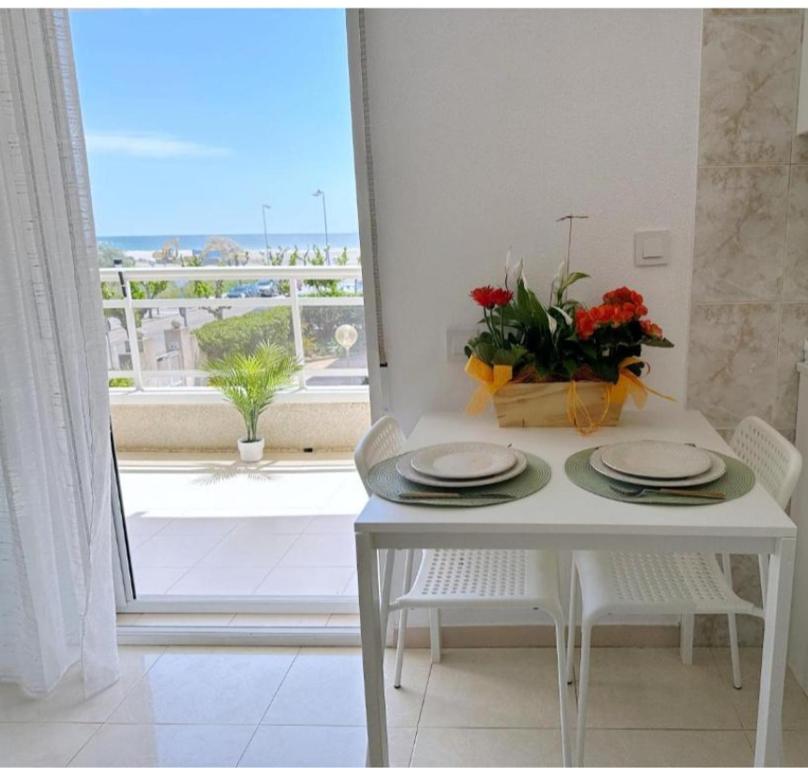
252,451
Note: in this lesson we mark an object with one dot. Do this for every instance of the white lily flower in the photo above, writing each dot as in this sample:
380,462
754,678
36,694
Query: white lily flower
561,272
513,270
563,314
552,323
557,280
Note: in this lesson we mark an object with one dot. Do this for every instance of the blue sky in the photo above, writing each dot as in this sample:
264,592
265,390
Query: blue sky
194,118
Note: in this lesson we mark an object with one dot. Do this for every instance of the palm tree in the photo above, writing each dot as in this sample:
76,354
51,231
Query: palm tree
251,381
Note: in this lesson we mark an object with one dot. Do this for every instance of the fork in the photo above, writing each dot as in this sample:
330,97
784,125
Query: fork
638,493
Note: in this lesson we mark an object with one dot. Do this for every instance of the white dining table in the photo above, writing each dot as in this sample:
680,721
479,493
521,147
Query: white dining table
564,517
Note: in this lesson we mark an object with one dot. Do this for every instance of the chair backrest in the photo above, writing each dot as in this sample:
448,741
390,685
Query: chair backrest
775,461
383,440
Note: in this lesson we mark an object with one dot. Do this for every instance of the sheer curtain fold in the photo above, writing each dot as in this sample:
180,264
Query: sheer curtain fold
56,592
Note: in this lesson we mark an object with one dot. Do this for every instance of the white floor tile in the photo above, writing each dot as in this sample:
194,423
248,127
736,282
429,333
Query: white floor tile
204,580
795,747
321,549
203,485
172,551
155,581
487,747
305,581
67,702
651,688
47,744
165,745
324,687
199,706
331,524
211,510
199,526
207,685
301,746
667,748
496,688
795,702
322,745
248,547
140,527
290,524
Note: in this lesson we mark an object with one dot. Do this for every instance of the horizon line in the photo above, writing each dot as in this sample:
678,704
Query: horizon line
230,234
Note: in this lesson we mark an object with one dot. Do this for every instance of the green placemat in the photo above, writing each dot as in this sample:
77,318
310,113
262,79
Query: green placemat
737,481
385,481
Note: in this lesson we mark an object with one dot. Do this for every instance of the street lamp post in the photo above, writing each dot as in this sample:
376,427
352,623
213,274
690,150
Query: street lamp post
319,193
264,209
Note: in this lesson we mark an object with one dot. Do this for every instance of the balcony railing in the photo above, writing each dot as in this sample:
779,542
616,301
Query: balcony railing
154,342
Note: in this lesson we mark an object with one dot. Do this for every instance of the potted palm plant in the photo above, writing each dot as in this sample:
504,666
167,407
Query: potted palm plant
250,382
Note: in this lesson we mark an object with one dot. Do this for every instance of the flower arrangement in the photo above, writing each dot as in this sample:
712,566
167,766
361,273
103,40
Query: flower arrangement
526,341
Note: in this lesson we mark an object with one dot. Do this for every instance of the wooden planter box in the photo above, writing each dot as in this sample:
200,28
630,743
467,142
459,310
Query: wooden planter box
545,405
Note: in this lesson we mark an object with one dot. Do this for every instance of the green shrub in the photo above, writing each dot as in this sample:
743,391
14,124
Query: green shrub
244,334
319,324
121,381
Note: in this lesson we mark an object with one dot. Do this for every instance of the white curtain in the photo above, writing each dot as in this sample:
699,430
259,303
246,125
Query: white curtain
56,592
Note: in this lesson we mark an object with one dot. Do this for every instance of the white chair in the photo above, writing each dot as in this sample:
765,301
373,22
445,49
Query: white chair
478,578
679,584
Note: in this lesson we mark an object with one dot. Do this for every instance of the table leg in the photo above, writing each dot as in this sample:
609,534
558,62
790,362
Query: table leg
388,564
768,742
372,650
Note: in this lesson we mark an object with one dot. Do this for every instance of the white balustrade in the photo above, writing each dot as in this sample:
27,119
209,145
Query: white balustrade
296,300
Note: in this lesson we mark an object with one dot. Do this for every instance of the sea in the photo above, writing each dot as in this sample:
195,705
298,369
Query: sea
249,241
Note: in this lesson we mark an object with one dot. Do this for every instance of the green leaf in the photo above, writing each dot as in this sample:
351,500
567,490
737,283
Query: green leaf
250,381
654,341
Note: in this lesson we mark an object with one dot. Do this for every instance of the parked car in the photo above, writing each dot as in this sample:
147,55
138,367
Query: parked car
267,288
243,291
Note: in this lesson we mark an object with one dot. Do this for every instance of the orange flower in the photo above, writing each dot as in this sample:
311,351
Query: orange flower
651,329
584,324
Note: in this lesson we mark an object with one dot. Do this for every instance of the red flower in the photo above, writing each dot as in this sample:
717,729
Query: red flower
651,329
489,297
584,324
623,295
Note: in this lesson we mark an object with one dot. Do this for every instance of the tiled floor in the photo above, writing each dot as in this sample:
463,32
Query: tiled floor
205,524
304,707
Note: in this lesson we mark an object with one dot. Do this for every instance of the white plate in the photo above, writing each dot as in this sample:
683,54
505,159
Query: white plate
717,469
406,470
463,461
656,459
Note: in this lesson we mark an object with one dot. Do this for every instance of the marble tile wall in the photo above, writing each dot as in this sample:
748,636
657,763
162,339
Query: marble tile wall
749,309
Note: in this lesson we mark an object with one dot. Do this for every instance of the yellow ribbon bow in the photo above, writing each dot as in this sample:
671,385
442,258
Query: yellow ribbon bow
491,377
628,383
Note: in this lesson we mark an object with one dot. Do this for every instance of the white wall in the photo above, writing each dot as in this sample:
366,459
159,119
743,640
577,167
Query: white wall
487,126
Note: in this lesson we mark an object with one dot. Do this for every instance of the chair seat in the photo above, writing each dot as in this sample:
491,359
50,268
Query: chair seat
650,583
499,578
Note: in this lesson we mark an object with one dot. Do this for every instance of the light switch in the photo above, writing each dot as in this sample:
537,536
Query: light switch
456,339
652,248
